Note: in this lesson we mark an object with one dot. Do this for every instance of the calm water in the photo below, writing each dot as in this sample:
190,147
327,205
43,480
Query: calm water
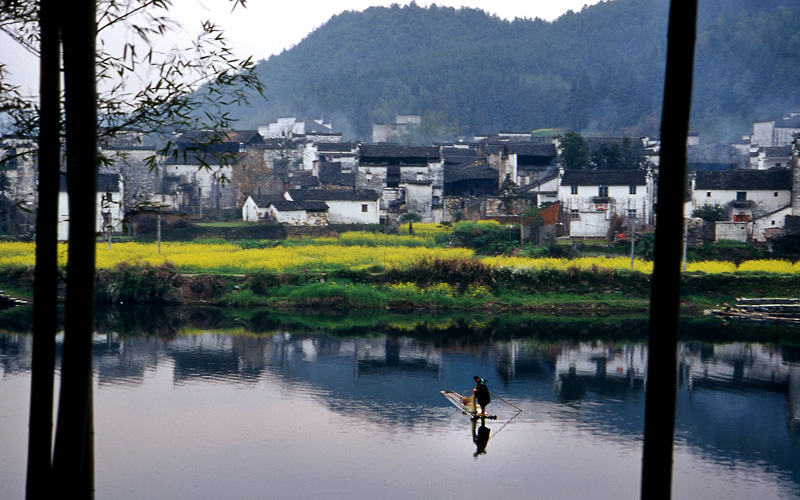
297,412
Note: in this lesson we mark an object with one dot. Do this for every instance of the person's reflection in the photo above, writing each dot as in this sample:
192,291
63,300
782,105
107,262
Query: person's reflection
480,436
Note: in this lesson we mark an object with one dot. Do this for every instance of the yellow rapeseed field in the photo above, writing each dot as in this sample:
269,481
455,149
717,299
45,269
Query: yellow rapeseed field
330,253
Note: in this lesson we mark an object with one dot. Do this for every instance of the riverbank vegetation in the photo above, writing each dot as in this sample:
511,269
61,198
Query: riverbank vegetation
439,267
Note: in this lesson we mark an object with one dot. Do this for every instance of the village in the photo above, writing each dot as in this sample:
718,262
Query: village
303,174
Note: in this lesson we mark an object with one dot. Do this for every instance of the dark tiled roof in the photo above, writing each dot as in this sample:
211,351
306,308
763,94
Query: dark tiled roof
395,151
778,152
455,155
245,136
336,147
331,173
304,180
467,170
604,178
334,195
308,206
339,179
771,180
532,149
264,200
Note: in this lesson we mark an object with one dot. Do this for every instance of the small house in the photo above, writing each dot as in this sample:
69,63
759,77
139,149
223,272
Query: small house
591,198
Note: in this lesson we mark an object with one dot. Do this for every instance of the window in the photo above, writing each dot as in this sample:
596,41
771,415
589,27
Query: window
602,191
775,193
573,190
632,214
741,195
631,189
708,194
365,208
742,217
393,176
574,214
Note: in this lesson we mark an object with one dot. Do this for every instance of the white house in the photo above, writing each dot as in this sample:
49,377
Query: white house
345,206
756,200
255,207
771,133
315,207
285,210
289,126
591,197
409,178
110,210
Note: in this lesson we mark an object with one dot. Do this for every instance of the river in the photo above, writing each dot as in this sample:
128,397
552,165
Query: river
350,407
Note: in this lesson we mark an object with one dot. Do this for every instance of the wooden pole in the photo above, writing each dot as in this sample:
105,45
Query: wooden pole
659,427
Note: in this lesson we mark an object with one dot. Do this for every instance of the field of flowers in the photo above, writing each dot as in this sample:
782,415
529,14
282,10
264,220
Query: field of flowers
350,251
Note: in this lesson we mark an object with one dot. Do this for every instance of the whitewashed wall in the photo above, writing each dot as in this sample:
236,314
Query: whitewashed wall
114,207
251,212
765,200
350,212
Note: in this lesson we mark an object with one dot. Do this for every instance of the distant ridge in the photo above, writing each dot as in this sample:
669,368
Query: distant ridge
598,71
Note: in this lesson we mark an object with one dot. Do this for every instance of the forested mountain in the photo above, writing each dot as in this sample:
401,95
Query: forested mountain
599,71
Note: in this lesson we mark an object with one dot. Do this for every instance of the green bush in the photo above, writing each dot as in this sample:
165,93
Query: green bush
733,251
486,239
142,284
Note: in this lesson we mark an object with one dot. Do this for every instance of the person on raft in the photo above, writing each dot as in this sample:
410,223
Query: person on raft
481,392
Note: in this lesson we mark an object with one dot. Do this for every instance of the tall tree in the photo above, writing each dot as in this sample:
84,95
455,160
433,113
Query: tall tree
40,426
574,152
73,455
164,102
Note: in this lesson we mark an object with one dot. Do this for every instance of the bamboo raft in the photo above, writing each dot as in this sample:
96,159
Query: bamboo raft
761,309
459,402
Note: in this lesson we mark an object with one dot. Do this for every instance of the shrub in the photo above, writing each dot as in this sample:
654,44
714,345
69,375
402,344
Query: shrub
142,284
486,237
461,272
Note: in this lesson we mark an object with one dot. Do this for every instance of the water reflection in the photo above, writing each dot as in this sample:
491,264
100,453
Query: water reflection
480,436
355,397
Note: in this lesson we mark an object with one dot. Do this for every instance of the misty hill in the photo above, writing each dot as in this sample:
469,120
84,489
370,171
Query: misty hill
598,71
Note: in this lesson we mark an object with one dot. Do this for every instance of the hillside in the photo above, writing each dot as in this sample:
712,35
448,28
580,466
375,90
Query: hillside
599,71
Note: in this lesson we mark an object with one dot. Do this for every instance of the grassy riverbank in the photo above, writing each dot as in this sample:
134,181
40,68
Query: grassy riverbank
428,284
437,268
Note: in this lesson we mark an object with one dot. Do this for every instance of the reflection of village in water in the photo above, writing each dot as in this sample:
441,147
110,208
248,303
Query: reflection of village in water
735,401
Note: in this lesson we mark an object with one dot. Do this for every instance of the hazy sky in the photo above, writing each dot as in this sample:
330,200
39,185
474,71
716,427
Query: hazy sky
265,27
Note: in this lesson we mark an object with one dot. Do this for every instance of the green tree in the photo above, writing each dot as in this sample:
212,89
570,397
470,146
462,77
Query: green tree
626,155
607,157
574,152
711,213
632,154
